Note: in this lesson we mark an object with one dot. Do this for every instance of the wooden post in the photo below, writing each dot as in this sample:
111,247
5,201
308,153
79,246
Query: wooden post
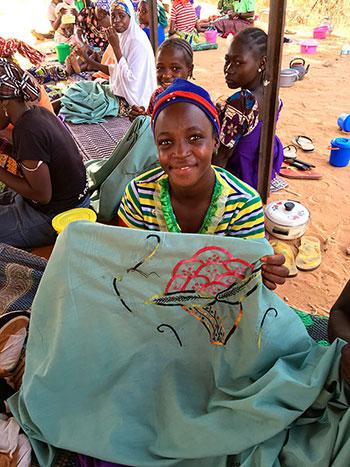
154,24
271,91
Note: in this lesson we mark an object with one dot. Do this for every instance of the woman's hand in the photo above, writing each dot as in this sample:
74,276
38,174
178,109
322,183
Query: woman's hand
273,271
136,111
112,37
81,52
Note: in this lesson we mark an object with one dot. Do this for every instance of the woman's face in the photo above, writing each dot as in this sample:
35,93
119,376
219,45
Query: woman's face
242,67
185,142
171,65
143,13
120,20
102,16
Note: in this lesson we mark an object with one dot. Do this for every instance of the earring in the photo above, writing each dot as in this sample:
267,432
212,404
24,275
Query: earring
259,70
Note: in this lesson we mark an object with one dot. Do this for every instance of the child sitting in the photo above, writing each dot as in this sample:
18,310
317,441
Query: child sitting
241,114
187,194
174,60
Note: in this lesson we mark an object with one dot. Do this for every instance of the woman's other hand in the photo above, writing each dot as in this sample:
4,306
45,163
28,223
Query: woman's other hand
136,111
273,271
112,37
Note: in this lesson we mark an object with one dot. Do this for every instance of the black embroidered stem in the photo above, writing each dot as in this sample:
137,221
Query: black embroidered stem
140,263
118,293
170,327
265,314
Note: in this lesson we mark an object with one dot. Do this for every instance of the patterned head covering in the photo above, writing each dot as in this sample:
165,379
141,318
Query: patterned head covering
120,5
8,47
103,4
16,83
182,90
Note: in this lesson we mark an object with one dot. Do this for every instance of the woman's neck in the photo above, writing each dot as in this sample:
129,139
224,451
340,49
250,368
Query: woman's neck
201,190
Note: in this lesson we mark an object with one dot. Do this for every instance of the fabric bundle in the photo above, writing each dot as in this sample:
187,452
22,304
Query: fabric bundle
8,47
171,345
88,102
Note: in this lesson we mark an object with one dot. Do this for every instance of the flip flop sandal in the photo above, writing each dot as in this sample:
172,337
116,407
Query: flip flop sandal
286,250
309,256
298,64
13,333
304,143
293,172
290,151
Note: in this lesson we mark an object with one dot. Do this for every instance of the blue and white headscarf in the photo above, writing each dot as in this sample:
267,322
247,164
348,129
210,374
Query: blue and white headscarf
103,4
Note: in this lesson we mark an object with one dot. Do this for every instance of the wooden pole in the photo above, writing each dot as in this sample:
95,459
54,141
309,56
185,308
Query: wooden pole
271,92
154,24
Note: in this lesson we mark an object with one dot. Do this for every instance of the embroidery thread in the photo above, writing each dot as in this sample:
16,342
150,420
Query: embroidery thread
146,258
212,276
173,329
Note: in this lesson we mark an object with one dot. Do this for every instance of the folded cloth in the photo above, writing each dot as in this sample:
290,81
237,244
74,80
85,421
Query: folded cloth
171,348
88,102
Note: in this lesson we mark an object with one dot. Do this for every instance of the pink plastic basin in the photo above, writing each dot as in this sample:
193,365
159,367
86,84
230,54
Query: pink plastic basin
308,46
320,32
210,36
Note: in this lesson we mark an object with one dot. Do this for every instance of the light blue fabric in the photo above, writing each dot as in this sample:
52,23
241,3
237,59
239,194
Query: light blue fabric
88,102
113,374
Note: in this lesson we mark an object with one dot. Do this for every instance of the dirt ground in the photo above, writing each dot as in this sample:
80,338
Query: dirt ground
311,107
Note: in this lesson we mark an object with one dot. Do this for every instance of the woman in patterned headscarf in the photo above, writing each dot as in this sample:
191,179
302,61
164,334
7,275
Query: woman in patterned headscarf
92,22
52,176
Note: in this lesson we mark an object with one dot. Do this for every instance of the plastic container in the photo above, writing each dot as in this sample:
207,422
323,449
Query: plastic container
62,50
288,77
198,11
60,221
211,36
345,50
344,122
309,46
340,154
320,32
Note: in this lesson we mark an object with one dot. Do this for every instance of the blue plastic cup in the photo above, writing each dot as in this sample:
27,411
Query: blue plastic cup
340,152
344,122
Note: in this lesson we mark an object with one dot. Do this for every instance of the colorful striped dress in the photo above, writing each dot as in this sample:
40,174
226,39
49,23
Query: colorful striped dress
235,209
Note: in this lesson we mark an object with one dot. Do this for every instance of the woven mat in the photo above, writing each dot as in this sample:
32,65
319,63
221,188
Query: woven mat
98,140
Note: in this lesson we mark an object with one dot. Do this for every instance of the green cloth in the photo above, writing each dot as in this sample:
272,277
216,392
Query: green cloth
118,370
88,102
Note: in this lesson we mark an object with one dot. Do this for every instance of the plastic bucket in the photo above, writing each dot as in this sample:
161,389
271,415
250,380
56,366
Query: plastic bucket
340,155
288,77
320,32
344,122
198,11
62,50
308,47
210,36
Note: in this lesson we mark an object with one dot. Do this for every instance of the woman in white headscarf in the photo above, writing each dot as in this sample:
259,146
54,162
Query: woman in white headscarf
133,77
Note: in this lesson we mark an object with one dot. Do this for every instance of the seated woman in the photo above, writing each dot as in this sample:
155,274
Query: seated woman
144,19
241,114
184,21
8,49
92,22
238,15
52,175
66,14
133,77
187,194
